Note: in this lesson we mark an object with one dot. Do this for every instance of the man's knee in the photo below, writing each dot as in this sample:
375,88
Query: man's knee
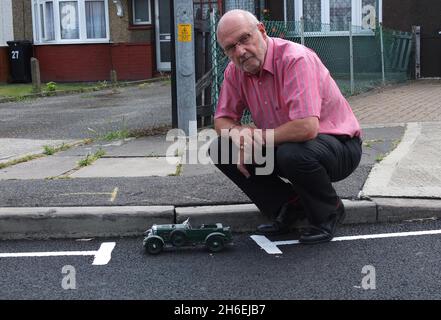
295,157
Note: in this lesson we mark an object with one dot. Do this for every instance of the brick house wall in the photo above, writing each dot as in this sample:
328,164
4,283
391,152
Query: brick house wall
4,64
130,51
93,62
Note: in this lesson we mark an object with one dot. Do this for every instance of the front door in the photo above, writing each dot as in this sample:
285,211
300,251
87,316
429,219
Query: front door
430,53
163,35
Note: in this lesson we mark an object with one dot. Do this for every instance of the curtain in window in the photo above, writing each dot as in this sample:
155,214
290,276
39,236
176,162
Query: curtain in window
69,22
42,21
312,15
95,19
49,14
340,14
290,14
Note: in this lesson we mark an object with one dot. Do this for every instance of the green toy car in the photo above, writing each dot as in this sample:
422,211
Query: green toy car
213,236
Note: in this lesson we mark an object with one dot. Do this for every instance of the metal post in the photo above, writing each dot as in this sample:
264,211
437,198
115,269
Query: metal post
214,56
185,66
417,36
351,58
383,76
173,66
302,30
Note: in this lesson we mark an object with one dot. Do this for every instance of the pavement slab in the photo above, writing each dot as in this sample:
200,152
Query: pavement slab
129,167
11,148
130,147
41,168
413,169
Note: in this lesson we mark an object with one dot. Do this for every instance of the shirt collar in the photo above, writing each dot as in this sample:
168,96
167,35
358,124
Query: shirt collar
269,58
268,62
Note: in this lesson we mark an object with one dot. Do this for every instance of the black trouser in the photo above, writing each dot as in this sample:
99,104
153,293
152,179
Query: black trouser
310,166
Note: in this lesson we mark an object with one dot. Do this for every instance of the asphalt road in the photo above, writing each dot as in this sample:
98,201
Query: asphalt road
404,267
72,116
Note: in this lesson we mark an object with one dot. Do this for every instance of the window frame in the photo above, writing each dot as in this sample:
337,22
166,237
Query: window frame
82,23
356,18
142,23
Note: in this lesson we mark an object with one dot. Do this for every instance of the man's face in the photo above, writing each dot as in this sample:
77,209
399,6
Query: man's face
244,44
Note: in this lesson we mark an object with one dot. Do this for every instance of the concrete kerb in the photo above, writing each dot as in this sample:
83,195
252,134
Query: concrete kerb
80,222
399,209
245,217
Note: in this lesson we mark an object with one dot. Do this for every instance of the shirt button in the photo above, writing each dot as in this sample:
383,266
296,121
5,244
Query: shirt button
260,82
266,102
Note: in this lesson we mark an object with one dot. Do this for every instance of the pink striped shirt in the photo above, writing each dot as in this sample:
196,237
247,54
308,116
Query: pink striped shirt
293,84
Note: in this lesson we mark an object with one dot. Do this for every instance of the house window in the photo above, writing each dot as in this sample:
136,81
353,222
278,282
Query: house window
141,12
69,24
95,19
340,14
70,21
312,15
334,16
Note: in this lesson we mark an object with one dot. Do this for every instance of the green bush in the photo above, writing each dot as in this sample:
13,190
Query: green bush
51,86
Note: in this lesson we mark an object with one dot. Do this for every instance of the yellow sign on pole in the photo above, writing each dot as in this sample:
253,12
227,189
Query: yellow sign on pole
184,32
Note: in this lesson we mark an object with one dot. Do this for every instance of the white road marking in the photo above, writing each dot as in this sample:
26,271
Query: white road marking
112,194
102,255
267,245
271,246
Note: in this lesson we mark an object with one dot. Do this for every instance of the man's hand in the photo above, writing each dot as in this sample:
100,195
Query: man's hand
246,140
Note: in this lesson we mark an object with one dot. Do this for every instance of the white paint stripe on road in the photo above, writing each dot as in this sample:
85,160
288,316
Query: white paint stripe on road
113,195
266,244
271,246
388,235
102,255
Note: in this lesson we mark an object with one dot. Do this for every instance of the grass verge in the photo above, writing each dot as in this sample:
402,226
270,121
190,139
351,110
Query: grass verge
91,158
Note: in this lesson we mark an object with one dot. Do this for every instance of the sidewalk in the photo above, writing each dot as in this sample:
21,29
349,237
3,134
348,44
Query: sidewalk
146,188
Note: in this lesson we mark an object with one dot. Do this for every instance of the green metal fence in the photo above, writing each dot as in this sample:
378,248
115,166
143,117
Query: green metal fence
358,59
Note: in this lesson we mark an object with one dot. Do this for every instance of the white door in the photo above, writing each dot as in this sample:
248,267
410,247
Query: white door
163,35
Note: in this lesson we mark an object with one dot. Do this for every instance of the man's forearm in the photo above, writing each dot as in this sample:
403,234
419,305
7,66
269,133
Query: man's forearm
224,123
296,131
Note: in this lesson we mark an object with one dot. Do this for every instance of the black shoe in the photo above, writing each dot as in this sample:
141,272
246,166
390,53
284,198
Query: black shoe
287,216
325,231
272,229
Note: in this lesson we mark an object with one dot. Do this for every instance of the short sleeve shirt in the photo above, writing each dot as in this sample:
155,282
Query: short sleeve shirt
293,84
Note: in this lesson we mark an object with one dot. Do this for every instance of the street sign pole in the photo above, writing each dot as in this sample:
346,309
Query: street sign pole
183,67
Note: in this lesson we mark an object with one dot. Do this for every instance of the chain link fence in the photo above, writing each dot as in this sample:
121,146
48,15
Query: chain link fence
359,59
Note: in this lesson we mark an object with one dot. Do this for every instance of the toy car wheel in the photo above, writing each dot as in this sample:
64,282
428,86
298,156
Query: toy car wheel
153,245
178,238
215,243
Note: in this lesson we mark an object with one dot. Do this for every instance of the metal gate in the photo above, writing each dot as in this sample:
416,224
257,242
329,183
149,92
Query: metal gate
430,54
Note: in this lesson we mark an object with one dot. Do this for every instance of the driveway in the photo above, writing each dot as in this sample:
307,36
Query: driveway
87,115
